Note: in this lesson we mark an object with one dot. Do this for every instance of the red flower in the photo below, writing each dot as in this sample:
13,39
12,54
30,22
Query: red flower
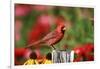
89,51
79,51
86,51
19,51
22,52
89,57
89,47
41,28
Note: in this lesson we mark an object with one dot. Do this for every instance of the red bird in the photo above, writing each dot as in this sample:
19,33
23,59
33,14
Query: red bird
51,38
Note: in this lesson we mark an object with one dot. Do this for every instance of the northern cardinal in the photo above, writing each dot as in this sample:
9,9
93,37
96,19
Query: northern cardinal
51,38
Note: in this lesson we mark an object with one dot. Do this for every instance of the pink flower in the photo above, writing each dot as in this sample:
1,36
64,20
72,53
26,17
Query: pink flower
39,55
42,7
27,53
17,36
22,10
18,26
45,19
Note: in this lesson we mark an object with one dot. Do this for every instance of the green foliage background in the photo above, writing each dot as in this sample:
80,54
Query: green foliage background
81,31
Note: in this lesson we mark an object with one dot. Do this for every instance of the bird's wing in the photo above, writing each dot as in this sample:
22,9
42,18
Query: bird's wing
50,35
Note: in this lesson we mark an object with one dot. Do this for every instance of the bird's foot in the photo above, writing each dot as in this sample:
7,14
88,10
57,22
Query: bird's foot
53,47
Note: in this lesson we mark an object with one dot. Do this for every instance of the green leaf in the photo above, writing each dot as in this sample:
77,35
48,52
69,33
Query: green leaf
45,49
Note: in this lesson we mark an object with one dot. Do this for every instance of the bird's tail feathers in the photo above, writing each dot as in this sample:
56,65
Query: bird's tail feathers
35,44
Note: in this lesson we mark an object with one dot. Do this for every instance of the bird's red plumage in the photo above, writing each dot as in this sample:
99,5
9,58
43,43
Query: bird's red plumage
51,38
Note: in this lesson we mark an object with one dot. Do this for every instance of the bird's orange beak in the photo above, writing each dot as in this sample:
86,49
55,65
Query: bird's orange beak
64,28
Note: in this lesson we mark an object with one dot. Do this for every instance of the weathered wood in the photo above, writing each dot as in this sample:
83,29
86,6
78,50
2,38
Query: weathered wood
59,56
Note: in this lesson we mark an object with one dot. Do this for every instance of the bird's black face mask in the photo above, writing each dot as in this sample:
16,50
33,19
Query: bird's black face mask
63,29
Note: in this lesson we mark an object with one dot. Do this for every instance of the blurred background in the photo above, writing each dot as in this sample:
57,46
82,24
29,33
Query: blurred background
33,22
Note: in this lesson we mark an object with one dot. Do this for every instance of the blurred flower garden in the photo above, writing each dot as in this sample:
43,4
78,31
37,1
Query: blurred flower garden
33,22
